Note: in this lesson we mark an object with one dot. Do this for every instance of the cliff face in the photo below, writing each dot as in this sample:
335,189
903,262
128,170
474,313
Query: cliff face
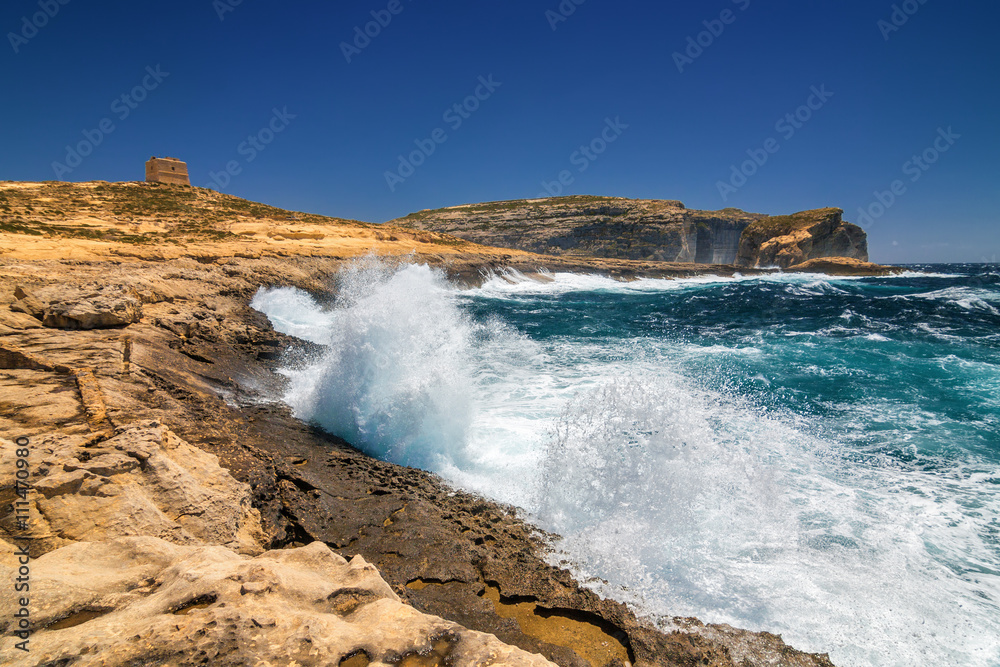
651,230
612,227
787,240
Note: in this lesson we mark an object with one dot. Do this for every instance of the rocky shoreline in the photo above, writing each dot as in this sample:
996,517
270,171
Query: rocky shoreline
199,367
180,516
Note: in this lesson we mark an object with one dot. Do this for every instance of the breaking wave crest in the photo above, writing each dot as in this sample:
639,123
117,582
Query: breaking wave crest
396,377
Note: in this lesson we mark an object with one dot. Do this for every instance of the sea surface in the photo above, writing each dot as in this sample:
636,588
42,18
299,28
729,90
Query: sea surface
813,456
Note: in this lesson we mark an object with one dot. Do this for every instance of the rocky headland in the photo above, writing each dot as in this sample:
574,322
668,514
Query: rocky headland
176,514
650,230
790,240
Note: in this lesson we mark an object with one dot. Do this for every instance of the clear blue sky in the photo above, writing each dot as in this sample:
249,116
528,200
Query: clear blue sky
607,60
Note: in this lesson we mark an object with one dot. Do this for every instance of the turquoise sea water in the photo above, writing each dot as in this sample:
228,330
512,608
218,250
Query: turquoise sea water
813,456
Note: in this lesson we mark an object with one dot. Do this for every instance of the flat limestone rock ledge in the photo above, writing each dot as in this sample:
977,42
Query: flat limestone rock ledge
146,551
143,481
844,266
144,601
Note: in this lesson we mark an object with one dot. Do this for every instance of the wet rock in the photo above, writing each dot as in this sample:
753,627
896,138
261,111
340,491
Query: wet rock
843,266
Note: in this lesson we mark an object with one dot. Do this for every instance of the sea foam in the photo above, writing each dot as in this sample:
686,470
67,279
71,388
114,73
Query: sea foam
674,496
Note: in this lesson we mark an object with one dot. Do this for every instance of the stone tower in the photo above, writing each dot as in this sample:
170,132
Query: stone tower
167,170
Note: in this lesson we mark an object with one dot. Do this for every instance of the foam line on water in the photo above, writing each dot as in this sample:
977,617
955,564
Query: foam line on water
511,282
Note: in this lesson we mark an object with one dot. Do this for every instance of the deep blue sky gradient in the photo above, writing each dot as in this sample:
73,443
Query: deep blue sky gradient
607,60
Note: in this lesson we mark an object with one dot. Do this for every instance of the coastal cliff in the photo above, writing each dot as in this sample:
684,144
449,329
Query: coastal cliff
788,240
178,514
610,227
652,230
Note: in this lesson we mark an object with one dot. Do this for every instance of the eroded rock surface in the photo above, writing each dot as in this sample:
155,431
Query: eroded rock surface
89,307
141,546
609,227
201,364
142,600
788,240
143,481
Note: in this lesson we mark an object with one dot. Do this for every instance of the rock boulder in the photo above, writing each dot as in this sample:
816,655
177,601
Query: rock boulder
100,307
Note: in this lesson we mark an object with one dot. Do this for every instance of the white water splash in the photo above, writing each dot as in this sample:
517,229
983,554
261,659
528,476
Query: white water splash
684,500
